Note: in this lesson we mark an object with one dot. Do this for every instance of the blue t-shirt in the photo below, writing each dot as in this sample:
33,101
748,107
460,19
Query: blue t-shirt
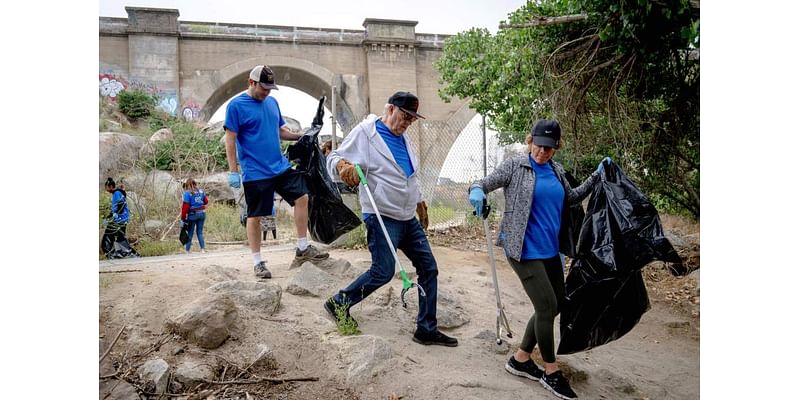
544,221
258,144
195,200
397,145
117,199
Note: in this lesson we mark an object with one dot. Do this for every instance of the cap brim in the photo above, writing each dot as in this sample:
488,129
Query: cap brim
416,115
544,141
268,86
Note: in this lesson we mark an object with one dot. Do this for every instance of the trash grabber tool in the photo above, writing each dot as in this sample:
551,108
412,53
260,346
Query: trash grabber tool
407,284
501,314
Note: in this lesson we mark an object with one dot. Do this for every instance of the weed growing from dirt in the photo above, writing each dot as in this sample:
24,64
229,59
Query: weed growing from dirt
346,326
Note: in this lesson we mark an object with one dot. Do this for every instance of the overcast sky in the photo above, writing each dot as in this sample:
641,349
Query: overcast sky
448,16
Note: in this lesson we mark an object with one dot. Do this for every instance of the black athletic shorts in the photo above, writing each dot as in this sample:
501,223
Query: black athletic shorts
259,195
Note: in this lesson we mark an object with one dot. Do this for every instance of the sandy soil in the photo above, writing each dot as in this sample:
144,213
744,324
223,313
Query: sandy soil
659,359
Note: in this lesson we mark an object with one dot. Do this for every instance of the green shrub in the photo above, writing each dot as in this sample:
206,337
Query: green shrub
136,104
190,150
222,224
147,247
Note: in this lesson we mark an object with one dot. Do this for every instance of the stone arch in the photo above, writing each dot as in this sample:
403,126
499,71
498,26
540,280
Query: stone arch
299,74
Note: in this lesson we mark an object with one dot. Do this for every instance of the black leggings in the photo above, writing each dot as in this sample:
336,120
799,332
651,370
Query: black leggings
543,281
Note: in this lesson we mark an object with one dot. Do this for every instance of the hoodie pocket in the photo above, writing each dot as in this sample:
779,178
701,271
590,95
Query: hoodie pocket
389,200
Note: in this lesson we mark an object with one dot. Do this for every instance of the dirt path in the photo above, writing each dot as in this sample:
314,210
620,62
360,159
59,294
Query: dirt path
659,359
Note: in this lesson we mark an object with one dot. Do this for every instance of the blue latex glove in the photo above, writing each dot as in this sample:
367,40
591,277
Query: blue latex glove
114,216
234,180
476,197
606,161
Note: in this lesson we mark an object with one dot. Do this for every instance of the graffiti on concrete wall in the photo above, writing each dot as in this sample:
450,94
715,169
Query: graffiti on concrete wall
168,100
191,111
111,85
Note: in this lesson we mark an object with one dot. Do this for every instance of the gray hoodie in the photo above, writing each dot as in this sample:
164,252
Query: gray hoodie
396,195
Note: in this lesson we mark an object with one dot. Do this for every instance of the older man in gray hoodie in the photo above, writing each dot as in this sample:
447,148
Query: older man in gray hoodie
379,145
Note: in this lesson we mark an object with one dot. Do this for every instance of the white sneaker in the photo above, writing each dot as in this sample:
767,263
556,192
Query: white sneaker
202,250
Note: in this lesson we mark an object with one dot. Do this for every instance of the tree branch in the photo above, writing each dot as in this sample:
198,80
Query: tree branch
544,21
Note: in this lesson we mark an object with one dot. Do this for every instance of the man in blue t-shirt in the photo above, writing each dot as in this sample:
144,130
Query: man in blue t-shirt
254,128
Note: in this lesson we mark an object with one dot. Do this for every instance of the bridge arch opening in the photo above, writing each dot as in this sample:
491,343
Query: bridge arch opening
302,75
294,104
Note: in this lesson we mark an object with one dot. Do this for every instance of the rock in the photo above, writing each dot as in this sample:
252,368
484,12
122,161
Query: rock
153,225
488,340
161,135
216,187
215,130
335,266
156,184
261,295
191,372
695,278
219,273
311,281
113,389
205,321
155,373
449,311
362,356
118,152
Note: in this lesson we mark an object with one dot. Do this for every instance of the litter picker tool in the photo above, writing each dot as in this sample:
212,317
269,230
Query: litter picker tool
407,284
501,314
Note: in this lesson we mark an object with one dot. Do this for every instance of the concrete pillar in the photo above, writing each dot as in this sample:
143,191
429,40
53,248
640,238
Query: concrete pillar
391,62
153,53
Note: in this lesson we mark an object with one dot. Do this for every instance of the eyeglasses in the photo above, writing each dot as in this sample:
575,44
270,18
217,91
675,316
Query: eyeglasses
406,115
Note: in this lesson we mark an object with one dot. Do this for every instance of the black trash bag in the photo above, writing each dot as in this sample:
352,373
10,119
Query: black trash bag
328,216
576,211
115,244
183,237
605,293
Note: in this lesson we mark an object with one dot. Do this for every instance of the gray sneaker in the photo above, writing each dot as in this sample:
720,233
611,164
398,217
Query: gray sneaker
262,271
310,254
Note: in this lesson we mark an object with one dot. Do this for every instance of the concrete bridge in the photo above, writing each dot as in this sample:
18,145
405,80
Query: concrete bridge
194,67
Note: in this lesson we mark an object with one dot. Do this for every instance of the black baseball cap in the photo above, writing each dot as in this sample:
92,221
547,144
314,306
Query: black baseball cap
407,102
263,75
546,133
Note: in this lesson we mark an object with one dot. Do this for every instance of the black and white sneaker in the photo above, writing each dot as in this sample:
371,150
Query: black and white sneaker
559,385
527,369
261,270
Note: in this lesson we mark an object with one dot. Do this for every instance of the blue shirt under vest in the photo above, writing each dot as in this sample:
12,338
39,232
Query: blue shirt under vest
397,145
541,234
258,143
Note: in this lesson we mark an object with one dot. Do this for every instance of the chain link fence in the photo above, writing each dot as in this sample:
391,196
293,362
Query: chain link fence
457,156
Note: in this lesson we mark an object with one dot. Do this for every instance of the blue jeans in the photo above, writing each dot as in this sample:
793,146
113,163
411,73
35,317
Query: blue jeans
409,237
196,220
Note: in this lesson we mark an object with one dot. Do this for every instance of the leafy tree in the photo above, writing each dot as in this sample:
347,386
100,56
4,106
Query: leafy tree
622,78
